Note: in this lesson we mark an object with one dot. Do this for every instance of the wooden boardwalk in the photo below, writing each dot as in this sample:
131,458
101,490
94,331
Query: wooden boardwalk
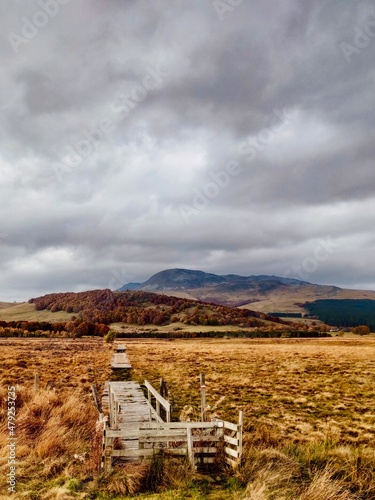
128,409
133,429
120,359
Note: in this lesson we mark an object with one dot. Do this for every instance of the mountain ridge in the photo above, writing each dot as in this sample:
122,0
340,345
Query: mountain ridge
259,292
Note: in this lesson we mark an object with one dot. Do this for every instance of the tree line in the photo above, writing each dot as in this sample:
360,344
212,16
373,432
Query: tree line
144,308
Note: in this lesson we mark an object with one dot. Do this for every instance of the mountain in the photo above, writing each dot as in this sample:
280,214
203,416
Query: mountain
263,293
130,286
186,279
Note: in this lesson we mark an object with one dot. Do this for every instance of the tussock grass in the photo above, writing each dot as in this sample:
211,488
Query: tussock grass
57,438
308,409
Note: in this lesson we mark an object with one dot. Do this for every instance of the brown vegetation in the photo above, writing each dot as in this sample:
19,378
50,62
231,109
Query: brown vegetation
308,407
143,308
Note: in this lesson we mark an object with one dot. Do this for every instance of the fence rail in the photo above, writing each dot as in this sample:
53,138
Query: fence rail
199,441
137,427
159,402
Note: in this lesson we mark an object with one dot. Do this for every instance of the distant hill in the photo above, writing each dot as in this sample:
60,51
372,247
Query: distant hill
7,305
261,293
186,279
144,308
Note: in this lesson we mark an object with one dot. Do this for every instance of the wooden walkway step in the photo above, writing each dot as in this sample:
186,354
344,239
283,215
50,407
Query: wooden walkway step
120,360
128,409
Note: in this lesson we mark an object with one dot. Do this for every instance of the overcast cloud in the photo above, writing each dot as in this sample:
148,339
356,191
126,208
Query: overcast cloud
226,136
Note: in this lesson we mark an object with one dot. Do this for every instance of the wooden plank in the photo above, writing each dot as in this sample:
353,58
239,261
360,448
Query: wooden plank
230,426
166,404
176,436
239,434
230,440
230,452
120,348
190,451
133,453
182,425
154,413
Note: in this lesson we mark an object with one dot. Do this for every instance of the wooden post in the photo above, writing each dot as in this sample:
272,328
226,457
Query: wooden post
36,380
107,450
203,397
166,391
239,436
96,398
161,387
158,407
149,400
190,451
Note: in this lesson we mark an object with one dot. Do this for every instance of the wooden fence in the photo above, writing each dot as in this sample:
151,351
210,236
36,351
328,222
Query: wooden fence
160,403
200,442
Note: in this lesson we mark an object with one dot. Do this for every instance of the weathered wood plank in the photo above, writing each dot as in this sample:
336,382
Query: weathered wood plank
230,440
183,425
230,452
230,426
159,399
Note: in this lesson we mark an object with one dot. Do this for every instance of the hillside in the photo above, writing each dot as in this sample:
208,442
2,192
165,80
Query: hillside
262,293
7,305
27,312
144,308
344,313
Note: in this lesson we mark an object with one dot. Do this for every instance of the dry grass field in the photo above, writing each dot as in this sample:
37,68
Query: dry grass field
55,426
309,415
306,389
27,312
309,408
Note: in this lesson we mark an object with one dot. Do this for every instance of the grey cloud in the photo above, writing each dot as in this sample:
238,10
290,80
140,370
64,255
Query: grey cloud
117,211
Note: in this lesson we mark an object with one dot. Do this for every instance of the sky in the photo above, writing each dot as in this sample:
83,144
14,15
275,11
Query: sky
222,135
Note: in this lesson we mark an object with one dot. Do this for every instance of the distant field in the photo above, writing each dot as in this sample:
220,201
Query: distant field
304,388
178,326
6,305
27,312
286,300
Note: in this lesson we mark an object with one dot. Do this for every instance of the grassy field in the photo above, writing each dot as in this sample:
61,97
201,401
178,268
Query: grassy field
27,312
309,416
55,426
7,305
306,389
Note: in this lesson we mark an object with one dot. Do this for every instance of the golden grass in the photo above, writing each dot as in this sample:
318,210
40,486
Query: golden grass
308,406
56,425
7,305
308,389
27,312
